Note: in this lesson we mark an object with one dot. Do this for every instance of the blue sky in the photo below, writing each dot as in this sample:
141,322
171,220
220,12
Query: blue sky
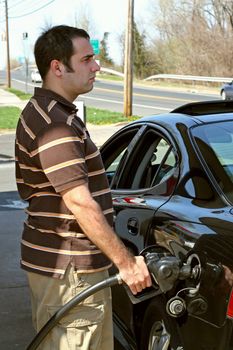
105,15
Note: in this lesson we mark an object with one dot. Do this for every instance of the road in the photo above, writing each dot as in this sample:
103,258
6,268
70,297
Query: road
109,95
15,313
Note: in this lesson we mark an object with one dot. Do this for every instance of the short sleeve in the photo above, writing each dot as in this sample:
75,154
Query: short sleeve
60,153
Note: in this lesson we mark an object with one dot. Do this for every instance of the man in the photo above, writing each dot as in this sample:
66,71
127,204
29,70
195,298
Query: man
68,242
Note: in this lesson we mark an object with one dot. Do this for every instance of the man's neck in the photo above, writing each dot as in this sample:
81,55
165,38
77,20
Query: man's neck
58,90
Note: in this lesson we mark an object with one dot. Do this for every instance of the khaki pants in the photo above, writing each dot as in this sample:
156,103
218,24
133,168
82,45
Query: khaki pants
88,326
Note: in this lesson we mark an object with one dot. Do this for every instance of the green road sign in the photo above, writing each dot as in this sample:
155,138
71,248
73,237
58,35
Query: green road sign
21,59
96,46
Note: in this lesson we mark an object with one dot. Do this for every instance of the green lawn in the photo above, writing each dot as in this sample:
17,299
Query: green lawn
102,116
22,95
9,117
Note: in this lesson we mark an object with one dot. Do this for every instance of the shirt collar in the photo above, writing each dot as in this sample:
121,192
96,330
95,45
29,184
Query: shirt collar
54,96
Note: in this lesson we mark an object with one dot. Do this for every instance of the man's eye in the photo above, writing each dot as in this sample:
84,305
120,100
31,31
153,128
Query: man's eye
89,59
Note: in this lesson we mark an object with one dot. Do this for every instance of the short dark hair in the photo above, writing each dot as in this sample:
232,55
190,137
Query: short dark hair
56,43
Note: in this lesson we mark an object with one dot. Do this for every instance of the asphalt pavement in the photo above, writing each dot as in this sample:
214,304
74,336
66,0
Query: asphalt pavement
16,329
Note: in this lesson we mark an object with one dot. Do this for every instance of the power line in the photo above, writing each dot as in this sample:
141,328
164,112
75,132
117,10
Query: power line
26,6
15,4
2,11
19,7
29,13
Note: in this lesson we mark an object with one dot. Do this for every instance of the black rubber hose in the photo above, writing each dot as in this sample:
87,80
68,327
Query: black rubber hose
109,282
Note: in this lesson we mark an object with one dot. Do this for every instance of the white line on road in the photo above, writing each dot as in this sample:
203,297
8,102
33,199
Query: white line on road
7,164
119,102
112,101
25,83
14,204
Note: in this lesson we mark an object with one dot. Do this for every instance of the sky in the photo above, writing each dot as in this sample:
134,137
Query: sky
30,16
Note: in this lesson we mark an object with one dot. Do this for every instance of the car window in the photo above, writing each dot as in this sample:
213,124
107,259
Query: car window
111,169
215,143
165,161
116,151
152,163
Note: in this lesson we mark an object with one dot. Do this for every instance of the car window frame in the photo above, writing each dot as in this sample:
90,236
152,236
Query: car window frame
123,161
162,133
159,135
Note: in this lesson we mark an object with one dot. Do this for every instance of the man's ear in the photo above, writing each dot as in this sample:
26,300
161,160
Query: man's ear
57,68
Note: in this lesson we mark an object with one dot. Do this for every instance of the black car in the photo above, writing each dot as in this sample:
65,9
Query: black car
226,91
171,177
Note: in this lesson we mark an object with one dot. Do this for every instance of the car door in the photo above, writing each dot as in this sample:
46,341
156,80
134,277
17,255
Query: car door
142,165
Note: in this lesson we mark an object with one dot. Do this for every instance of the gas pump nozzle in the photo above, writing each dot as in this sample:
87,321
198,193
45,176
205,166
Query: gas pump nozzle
166,270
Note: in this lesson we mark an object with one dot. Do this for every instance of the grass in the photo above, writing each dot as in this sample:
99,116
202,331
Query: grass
169,83
102,116
109,77
22,95
9,117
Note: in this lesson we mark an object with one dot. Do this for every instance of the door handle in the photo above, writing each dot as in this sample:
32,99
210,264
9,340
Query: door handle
133,226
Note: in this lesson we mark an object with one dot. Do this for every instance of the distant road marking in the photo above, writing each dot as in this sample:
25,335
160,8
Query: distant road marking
14,204
144,95
121,92
24,82
113,101
121,103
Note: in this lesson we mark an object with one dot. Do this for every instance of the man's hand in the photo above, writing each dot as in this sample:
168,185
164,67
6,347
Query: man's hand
135,274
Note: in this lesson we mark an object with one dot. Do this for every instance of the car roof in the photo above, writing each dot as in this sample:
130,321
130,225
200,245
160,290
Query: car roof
205,108
195,113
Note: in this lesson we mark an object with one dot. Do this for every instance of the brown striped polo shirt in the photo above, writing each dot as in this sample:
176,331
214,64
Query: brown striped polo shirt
54,153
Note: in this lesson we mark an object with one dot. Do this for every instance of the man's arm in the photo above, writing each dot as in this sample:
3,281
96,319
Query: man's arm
132,269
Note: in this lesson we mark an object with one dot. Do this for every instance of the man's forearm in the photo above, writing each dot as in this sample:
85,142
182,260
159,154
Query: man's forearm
132,269
96,227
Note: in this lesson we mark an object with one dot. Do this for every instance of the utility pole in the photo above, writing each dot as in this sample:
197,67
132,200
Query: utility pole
26,57
7,48
128,64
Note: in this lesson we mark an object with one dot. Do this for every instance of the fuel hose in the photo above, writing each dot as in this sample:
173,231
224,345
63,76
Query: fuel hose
109,282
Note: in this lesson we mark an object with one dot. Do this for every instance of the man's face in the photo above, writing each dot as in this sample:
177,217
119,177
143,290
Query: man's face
84,66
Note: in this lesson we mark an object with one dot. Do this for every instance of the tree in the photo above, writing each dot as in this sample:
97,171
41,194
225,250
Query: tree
104,55
139,53
143,63
15,63
83,18
194,37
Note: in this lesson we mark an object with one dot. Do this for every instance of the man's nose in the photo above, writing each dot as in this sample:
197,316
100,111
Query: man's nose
96,66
